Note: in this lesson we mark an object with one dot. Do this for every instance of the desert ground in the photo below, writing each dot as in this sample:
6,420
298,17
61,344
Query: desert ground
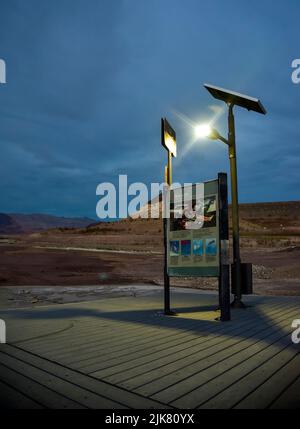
69,264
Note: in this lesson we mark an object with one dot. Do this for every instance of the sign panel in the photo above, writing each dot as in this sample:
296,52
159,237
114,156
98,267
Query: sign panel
193,238
168,137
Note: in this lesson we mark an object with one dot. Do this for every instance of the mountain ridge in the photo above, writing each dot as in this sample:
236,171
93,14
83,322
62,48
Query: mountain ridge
19,223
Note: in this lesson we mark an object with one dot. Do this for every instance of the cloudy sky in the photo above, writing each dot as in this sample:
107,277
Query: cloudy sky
88,81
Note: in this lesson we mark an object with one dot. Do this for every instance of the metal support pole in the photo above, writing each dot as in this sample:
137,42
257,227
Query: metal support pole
237,303
169,168
224,283
167,309
166,276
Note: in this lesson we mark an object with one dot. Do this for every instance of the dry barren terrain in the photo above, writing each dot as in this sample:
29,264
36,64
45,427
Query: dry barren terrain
130,252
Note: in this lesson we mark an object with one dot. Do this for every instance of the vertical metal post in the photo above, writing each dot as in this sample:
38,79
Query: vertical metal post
167,309
169,168
168,140
237,303
166,276
224,283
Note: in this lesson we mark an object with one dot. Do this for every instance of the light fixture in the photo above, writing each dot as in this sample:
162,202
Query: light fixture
232,98
203,130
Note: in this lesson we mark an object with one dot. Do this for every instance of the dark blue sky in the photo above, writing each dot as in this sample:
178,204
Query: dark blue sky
87,83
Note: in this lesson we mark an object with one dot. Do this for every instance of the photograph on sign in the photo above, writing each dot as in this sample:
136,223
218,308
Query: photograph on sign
198,247
211,247
186,247
174,248
194,216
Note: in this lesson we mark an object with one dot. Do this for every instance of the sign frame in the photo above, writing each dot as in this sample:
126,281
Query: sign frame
168,137
219,188
212,269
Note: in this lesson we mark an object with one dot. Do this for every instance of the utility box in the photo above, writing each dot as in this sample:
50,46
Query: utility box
246,279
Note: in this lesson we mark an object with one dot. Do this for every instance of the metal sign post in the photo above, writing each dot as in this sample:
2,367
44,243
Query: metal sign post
224,282
168,140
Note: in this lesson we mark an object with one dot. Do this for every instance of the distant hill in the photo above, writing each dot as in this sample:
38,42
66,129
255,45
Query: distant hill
15,223
259,218
8,225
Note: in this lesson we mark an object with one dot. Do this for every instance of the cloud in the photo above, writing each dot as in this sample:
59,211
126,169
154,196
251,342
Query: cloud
89,81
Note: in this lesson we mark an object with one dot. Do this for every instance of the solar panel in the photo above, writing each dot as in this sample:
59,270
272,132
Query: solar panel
232,97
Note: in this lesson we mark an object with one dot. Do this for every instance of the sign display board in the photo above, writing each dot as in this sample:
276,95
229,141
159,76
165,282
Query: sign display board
168,137
193,239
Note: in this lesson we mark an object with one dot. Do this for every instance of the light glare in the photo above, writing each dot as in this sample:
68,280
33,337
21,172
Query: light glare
203,130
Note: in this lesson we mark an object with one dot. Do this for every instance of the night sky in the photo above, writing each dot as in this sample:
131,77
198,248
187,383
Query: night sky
88,81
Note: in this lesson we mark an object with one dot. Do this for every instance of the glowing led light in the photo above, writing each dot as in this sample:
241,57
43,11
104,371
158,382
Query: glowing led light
202,131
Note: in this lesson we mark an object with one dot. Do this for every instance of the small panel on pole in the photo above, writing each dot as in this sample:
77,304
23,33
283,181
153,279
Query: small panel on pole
168,137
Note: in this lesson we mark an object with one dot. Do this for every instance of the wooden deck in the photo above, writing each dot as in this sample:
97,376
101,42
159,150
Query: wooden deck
123,353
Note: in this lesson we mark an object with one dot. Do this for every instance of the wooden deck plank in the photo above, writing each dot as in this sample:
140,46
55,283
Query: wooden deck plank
65,388
10,398
116,348
288,399
35,329
187,392
121,330
84,327
119,364
234,375
35,390
82,333
202,342
142,359
242,388
173,369
268,388
119,397
119,343
84,324
191,375
87,335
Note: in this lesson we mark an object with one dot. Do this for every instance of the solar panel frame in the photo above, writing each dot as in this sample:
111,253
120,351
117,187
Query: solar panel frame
232,97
